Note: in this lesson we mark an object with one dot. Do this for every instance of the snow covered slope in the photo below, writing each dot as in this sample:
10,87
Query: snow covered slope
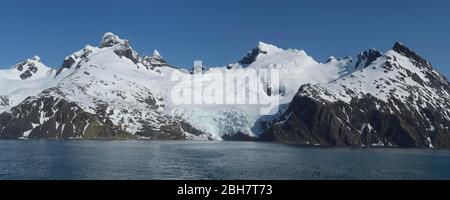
295,68
24,79
119,93
395,99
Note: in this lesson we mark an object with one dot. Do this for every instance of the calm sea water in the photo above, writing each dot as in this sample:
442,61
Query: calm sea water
41,159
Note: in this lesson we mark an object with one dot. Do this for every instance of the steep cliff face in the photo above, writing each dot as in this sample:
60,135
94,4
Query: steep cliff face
398,100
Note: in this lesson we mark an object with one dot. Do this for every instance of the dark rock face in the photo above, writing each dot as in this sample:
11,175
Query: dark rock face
19,66
68,62
32,67
126,51
251,56
368,57
154,62
4,101
28,68
402,49
419,117
361,123
188,128
26,74
173,129
309,122
49,117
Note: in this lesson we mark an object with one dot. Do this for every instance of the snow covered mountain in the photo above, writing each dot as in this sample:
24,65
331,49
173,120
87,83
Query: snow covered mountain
295,68
394,99
100,92
112,91
121,93
24,79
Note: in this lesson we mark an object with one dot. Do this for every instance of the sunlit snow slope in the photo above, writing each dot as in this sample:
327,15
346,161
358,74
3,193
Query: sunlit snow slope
24,79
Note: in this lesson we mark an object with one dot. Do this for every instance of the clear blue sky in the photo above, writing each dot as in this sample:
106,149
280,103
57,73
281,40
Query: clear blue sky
222,31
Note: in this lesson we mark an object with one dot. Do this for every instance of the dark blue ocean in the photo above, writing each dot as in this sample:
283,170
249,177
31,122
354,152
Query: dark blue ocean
48,159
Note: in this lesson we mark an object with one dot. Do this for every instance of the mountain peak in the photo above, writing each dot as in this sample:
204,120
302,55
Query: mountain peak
399,45
30,61
110,39
156,60
261,48
404,50
156,54
123,48
266,48
28,68
36,58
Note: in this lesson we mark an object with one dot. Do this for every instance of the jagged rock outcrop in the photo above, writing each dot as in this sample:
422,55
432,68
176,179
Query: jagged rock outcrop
30,67
121,47
156,60
367,58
